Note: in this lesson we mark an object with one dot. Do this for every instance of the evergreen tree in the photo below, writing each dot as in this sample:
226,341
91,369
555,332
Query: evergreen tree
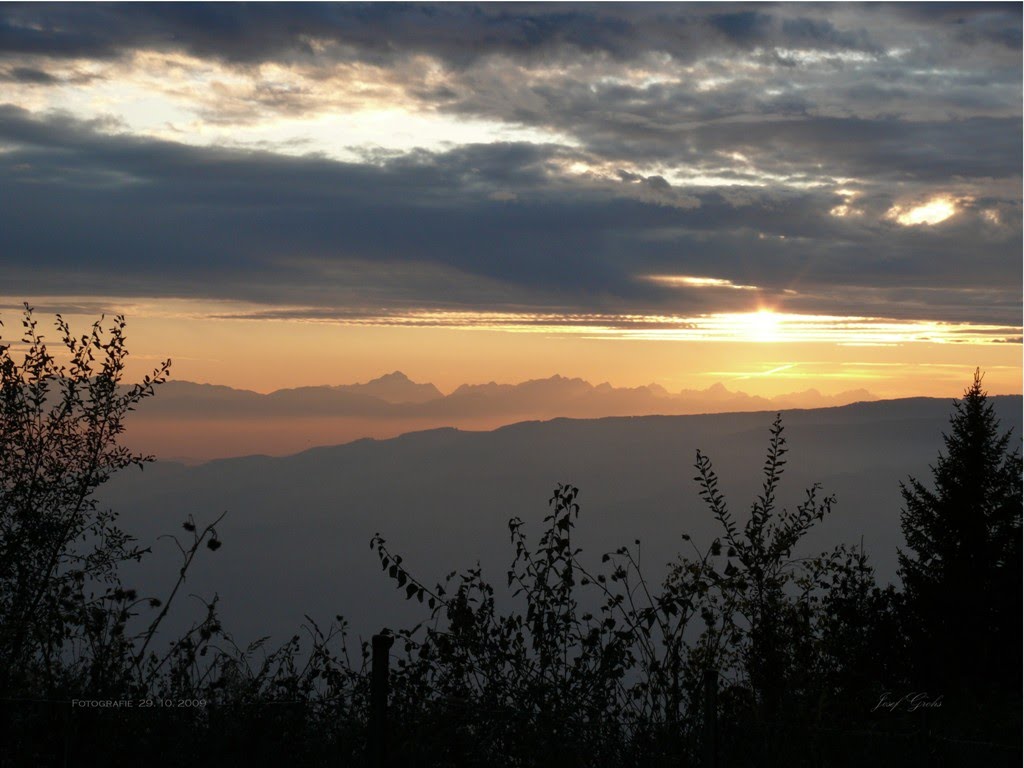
962,566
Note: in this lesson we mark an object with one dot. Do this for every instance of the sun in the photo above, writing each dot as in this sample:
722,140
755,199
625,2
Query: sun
762,325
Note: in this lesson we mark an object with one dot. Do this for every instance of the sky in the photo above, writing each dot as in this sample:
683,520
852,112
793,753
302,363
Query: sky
772,196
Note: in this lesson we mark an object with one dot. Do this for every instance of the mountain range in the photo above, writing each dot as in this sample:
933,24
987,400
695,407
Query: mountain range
195,422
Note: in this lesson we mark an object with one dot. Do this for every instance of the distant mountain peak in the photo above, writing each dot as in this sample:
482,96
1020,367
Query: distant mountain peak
394,376
395,387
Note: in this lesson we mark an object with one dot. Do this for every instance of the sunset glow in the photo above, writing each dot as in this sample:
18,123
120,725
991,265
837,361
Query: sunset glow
763,325
230,343
795,195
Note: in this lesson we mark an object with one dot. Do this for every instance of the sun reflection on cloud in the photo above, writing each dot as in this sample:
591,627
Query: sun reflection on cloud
934,211
992,216
846,208
698,282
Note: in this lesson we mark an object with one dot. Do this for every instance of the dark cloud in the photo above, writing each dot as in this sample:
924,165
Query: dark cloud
822,34
970,22
786,137
744,27
459,34
27,75
881,118
682,139
84,211
880,149
749,28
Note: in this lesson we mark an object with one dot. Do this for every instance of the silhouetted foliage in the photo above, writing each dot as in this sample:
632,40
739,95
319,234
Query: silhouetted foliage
60,601
600,667
962,566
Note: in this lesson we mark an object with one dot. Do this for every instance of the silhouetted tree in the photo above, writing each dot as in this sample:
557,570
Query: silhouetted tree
60,428
962,566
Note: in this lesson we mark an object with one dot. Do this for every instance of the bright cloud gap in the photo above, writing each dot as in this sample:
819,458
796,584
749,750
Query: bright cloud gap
763,326
931,212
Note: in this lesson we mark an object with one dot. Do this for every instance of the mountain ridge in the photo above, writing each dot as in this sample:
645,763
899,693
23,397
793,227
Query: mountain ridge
198,422
396,388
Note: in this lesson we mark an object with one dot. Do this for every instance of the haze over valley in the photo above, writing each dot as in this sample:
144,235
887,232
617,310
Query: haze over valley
297,529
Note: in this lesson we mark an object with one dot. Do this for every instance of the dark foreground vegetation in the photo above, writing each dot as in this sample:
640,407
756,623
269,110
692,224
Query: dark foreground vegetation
750,652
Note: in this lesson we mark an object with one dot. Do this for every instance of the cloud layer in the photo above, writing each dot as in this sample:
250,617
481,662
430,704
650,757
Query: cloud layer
366,160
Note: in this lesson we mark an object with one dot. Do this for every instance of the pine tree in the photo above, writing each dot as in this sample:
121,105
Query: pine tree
962,567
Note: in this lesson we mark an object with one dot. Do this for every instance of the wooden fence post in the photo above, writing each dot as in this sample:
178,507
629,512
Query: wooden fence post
709,740
378,741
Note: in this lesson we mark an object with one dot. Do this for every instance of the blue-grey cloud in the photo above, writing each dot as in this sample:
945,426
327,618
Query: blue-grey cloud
719,138
457,33
477,227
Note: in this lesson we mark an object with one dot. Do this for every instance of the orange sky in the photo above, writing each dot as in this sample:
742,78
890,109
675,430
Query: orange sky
264,355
